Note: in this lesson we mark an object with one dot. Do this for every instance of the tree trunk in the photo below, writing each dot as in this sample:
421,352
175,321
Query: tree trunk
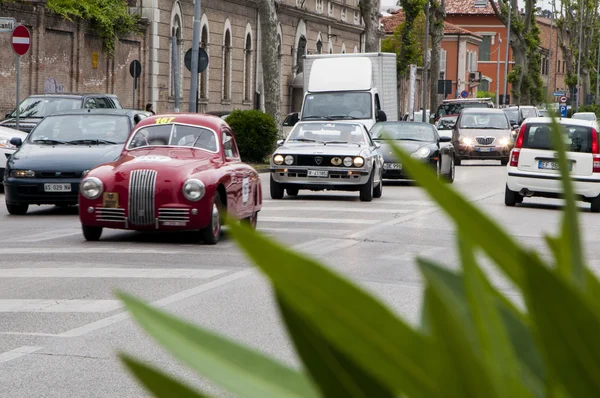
437,14
520,59
270,59
369,11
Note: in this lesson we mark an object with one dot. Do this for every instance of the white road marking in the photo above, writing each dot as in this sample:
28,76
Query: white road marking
327,232
319,247
318,220
295,209
153,273
31,305
294,202
42,236
106,249
17,353
412,252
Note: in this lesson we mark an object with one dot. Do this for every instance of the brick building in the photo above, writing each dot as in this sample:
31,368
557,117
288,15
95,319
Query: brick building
553,68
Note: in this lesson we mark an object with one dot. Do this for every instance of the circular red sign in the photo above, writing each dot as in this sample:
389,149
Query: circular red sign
21,40
563,99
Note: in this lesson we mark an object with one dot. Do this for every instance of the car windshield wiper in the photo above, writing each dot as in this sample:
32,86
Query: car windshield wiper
340,142
314,117
94,141
334,117
303,139
410,139
49,142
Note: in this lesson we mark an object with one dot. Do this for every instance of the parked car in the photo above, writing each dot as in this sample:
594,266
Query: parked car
445,124
338,156
482,134
584,116
517,114
35,107
50,162
454,106
6,148
177,172
421,140
289,123
534,171
544,113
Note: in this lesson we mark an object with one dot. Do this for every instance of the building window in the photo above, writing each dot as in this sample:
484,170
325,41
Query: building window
344,14
484,85
300,52
280,58
442,64
558,68
330,9
563,69
176,51
484,48
204,75
248,69
356,17
227,66
343,48
319,6
319,46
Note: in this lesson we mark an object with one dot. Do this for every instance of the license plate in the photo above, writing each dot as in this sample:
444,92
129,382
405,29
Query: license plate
174,223
318,173
392,166
110,200
484,149
545,165
57,187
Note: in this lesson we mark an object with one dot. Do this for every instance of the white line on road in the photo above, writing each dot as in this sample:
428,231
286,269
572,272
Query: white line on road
327,232
318,220
319,247
105,249
295,209
109,273
48,235
17,353
280,203
31,305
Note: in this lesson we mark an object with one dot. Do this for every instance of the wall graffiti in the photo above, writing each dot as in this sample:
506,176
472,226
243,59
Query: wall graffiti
51,86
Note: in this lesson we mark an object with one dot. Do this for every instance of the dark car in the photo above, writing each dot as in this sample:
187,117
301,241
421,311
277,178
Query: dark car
35,107
454,106
517,114
419,139
48,165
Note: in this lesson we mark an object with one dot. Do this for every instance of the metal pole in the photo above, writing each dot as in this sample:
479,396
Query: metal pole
550,46
195,46
498,72
175,64
134,90
425,58
598,72
507,49
18,91
579,58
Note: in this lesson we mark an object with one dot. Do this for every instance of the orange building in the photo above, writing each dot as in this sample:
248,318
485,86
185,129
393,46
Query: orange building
553,67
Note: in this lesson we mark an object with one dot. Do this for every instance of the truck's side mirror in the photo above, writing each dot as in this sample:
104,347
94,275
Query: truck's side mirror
381,116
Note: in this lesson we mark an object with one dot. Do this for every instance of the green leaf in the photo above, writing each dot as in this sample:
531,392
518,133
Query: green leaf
464,374
351,320
498,353
332,371
572,263
239,369
567,325
158,383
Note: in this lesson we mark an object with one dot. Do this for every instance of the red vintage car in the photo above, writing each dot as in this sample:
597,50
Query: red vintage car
176,172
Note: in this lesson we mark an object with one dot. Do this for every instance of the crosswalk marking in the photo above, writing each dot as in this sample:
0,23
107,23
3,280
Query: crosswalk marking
33,305
411,252
152,273
309,231
17,353
318,220
270,203
42,236
105,249
319,247
336,209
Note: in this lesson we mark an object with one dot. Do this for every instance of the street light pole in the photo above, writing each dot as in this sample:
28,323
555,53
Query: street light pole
550,46
195,50
579,58
598,72
507,49
498,72
425,58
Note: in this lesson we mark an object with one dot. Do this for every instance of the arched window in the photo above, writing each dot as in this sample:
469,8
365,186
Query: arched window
227,62
248,68
319,43
204,42
300,54
176,50
343,48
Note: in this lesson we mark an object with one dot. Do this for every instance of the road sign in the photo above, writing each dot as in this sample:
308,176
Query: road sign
464,94
563,110
135,69
21,40
7,24
559,93
563,100
202,60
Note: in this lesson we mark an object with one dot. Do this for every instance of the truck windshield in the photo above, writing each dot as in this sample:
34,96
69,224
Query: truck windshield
456,107
337,106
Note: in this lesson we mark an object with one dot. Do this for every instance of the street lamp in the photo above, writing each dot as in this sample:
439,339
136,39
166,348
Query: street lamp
507,48
498,72
425,57
579,58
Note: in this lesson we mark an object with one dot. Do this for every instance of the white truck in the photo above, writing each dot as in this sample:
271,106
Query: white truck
360,87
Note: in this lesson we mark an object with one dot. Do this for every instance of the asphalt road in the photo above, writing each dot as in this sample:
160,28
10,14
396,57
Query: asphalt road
61,326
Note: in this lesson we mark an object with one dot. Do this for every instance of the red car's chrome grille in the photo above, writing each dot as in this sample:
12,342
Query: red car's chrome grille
110,214
171,214
142,184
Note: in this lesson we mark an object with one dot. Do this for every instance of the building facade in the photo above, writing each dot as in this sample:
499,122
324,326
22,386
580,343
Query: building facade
553,67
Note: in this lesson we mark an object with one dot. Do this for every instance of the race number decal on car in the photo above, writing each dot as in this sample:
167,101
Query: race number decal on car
164,120
245,190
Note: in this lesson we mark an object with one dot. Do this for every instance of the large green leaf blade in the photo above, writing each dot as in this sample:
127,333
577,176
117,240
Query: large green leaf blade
354,322
332,371
239,369
158,383
567,325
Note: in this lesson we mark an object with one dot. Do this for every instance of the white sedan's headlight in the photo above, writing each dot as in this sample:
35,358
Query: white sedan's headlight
348,161
359,161
194,190
289,160
5,143
91,188
278,159
421,153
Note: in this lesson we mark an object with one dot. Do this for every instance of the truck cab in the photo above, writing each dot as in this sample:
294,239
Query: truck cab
357,87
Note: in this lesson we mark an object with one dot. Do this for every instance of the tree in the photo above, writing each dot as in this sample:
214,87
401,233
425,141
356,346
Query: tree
411,45
369,11
437,15
270,58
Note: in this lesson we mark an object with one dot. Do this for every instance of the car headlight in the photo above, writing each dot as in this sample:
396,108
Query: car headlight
22,173
421,153
504,141
468,141
194,190
91,188
359,161
348,161
289,160
5,143
278,159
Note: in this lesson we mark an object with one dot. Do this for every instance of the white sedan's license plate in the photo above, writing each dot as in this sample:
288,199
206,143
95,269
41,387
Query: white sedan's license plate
484,149
57,187
318,173
392,166
545,165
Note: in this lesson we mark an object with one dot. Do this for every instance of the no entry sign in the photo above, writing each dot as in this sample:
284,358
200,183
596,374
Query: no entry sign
21,40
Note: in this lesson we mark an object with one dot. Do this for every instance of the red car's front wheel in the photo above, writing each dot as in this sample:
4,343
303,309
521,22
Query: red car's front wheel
91,233
212,233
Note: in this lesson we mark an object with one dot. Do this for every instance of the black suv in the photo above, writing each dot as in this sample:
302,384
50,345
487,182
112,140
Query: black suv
35,107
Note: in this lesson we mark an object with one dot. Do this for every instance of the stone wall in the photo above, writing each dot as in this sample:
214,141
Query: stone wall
67,57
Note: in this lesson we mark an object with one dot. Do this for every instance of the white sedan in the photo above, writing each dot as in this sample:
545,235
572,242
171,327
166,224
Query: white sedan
6,148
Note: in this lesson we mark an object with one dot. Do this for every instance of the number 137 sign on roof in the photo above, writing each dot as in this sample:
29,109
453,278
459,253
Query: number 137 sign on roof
21,40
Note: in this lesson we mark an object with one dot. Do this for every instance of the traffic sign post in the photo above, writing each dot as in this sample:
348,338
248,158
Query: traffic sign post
464,94
21,42
563,110
563,100
135,70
